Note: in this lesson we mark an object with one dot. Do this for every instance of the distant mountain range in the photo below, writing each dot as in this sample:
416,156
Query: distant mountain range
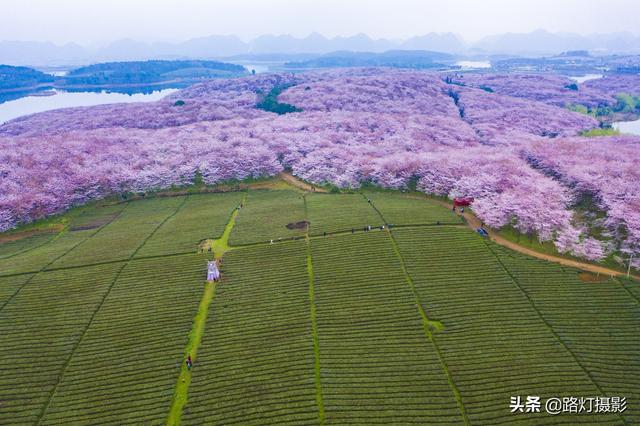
537,43
541,42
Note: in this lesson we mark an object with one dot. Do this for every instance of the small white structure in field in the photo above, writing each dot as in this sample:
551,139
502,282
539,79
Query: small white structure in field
213,274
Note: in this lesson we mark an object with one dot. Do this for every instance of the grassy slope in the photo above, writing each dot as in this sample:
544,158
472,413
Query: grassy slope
409,209
12,248
202,216
10,285
220,246
258,345
39,329
121,238
601,318
493,323
64,242
493,334
266,215
339,212
126,366
377,364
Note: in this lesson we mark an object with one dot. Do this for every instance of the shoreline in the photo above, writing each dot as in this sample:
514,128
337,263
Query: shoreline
179,83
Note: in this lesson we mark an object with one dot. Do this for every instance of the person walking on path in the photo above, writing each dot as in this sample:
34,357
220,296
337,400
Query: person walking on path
189,362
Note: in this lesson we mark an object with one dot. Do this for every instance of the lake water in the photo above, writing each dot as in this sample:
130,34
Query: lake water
63,99
473,65
257,67
58,73
586,77
630,127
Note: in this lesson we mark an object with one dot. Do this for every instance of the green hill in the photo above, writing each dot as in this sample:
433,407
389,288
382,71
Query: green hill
21,77
147,72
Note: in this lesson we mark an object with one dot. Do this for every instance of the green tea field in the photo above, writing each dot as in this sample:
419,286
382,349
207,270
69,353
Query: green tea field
324,314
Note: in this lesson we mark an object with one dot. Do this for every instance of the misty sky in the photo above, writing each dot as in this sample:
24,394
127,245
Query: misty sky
91,21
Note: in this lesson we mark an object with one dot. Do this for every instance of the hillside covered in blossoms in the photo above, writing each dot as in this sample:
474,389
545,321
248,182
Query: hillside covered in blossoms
508,141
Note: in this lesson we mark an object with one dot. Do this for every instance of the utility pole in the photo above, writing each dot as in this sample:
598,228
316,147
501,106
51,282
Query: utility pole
629,268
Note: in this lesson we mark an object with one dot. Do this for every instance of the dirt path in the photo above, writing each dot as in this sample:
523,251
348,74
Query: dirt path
291,179
473,222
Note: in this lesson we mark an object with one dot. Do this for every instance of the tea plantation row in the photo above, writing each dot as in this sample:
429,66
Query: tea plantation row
332,323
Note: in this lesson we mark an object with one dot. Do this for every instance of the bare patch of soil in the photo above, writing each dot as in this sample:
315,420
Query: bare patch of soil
93,224
300,184
85,227
587,277
298,225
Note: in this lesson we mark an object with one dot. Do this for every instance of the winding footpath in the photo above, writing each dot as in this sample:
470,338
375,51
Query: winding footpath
300,184
474,223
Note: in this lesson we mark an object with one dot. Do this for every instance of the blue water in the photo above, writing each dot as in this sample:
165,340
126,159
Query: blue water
31,103
629,127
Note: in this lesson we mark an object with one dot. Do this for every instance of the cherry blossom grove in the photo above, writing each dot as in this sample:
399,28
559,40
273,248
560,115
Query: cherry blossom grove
551,89
607,169
518,155
629,83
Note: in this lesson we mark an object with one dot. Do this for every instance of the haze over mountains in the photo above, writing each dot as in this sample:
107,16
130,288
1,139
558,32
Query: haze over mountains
537,43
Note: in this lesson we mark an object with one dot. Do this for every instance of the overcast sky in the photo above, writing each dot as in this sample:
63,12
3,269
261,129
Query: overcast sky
99,21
